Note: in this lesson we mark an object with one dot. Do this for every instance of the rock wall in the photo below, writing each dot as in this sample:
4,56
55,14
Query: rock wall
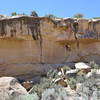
27,41
70,40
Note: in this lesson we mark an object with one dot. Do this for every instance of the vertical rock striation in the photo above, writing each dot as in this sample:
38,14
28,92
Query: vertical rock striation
27,40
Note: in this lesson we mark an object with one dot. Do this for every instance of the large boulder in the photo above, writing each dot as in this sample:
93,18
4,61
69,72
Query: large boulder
10,88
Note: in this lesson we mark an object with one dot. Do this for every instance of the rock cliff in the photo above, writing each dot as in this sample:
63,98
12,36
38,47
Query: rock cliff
27,40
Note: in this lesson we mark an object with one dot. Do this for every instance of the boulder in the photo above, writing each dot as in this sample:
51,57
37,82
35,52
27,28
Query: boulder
10,88
82,65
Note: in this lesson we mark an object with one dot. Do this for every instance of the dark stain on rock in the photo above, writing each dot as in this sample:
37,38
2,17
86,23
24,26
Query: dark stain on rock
3,28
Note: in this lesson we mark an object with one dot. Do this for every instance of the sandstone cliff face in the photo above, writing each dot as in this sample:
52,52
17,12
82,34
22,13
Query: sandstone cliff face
70,40
28,40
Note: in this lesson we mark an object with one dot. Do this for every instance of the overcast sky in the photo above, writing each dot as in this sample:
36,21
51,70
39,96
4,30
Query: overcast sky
60,8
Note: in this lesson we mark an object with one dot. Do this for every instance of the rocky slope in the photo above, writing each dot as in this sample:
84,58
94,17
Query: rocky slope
26,42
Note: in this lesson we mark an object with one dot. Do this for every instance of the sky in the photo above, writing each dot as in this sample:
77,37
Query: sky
60,8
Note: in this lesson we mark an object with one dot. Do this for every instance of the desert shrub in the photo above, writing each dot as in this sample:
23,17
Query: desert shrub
55,94
80,77
52,74
94,65
66,68
44,84
72,83
27,97
90,89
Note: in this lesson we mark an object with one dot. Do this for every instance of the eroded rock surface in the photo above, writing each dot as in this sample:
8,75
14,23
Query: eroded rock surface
26,41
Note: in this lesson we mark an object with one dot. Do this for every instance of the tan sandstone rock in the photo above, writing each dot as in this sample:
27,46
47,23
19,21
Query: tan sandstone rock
26,41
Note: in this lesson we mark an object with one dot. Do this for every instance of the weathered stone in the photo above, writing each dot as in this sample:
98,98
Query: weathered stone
82,65
26,41
10,88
